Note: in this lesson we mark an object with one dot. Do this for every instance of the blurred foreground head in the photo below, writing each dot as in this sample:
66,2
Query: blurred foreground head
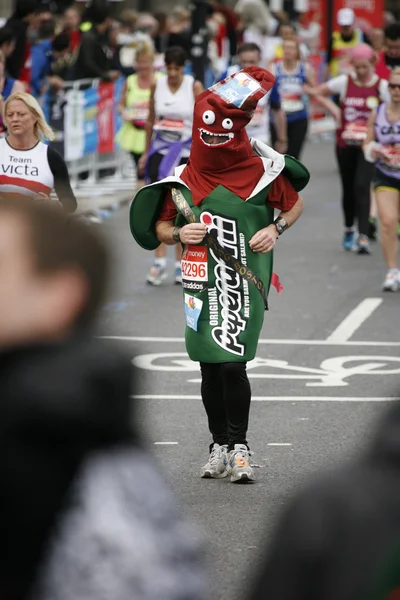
53,273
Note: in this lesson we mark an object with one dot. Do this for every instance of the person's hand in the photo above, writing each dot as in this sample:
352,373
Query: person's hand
193,233
142,163
264,240
281,147
379,152
114,75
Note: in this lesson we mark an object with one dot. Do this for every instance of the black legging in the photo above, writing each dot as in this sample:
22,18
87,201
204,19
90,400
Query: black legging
355,174
296,134
226,394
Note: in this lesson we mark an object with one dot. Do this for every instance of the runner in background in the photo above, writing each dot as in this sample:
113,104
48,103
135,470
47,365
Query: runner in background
28,166
286,31
291,76
249,55
342,43
382,147
359,94
388,60
168,137
134,105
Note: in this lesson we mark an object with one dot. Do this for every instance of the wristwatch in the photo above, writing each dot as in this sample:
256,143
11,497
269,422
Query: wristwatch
281,225
176,235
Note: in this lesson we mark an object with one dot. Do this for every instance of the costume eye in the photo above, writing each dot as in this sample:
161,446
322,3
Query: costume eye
209,117
227,123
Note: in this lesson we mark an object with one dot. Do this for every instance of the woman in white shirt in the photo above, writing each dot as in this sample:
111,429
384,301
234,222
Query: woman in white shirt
169,137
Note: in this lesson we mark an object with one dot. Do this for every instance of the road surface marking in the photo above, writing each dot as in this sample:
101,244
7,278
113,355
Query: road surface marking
354,320
275,398
278,444
280,342
165,443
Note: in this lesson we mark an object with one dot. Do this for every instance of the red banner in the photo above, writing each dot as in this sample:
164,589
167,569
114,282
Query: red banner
105,118
317,13
369,13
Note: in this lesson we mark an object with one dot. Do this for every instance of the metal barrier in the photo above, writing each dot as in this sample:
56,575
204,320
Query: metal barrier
84,118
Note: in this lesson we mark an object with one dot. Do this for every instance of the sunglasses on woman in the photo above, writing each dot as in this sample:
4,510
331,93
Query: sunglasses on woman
394,86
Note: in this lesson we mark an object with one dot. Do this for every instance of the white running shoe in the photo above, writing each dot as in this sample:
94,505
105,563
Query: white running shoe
392,281
239,464
156,275
217,463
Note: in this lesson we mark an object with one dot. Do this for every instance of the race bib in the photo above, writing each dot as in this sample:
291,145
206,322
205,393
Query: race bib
170,130
292,105
169,125
194,266
140,112
193,308
354,134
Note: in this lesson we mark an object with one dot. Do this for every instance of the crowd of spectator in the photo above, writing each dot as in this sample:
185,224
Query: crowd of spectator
42,48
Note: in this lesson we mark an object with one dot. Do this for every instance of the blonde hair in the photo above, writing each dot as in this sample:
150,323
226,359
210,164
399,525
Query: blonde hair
41,130
144,49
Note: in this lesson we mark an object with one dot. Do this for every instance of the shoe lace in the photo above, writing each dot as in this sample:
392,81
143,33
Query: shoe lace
216,455
247,454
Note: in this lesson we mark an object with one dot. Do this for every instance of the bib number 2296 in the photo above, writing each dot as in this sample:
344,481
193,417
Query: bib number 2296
195,268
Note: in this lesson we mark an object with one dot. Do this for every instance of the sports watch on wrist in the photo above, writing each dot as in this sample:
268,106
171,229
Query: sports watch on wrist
281,225
176,235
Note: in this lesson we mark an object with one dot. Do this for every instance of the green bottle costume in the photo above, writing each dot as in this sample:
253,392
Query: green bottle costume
224,313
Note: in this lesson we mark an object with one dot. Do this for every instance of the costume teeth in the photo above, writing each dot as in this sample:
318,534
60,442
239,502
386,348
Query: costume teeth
228,134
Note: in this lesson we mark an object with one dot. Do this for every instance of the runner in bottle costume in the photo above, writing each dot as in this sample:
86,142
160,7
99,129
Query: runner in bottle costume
231,186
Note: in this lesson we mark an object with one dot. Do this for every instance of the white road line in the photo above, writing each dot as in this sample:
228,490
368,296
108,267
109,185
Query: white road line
278,444
328,342
276,398
354,320
165,443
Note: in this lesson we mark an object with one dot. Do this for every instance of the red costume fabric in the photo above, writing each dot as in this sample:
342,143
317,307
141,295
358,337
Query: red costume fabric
212,165
281,196
230,163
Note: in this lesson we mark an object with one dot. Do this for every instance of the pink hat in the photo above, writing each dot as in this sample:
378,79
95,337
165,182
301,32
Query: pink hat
363,51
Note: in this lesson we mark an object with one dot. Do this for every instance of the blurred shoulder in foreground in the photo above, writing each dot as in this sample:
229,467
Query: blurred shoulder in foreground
83,511
339,539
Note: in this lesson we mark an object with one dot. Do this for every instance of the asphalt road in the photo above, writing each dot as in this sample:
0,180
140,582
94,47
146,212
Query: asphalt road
328,365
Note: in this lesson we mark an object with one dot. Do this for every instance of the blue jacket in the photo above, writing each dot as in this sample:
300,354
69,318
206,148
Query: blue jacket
42,57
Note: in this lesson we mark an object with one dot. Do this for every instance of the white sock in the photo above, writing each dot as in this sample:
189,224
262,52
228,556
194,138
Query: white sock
160,262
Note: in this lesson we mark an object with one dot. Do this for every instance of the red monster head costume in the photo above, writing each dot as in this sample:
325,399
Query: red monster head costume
221,152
